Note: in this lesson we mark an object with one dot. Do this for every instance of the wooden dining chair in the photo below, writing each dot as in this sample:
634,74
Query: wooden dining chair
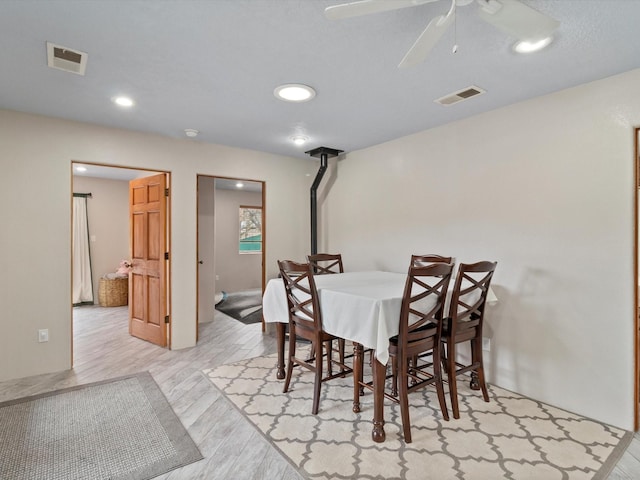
464,324
423,261
323,264
420,329
305,322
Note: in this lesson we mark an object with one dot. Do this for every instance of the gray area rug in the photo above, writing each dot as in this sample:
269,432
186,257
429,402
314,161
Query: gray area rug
245,306
511,437
122,428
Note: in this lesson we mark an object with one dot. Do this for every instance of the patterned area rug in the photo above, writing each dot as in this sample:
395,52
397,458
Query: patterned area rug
510,437
122,428
245,306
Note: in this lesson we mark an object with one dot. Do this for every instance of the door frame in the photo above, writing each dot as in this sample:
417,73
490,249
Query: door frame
264,237
146,171
636,303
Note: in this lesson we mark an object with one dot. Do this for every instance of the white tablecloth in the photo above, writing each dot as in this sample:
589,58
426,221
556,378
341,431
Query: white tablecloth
360,306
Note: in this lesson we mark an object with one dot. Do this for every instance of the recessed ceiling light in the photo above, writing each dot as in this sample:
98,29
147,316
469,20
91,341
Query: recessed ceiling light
81,169
294,92
190,132
526,46
299,139
123,101
239,185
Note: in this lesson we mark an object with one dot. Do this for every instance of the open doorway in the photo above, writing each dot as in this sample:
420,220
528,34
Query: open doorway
230,248
106,189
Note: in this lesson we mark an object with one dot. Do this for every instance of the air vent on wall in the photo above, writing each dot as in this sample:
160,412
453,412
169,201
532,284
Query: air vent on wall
460,95
66,59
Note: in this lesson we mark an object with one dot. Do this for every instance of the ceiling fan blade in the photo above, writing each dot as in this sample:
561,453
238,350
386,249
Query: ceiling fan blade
366,7
427,40
517,19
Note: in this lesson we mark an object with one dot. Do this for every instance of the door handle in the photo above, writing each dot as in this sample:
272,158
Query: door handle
201,262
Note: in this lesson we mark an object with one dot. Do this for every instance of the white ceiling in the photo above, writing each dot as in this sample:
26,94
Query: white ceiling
213,65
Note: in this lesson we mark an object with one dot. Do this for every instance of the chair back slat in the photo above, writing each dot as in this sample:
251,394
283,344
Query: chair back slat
326,263
302,296
424,260
470,294
423,303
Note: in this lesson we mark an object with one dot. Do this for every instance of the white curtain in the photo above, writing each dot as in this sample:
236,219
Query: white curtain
82,285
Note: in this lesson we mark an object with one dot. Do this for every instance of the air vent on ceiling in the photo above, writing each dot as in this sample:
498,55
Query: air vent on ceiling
66,59
460,95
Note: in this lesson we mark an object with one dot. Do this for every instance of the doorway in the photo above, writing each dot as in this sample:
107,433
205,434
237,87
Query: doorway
225,264
636,308
109,222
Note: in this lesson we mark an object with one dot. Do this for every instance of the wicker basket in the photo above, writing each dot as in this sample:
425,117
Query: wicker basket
113,292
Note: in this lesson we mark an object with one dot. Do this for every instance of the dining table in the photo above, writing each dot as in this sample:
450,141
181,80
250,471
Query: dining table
363,307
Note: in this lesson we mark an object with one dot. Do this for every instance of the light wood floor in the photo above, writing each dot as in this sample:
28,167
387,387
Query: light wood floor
231,447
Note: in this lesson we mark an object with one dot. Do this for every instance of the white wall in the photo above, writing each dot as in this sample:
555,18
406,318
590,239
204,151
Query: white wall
108,217
35,239
206,249
545,187
234,271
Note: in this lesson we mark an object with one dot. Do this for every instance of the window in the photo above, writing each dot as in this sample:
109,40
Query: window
250,229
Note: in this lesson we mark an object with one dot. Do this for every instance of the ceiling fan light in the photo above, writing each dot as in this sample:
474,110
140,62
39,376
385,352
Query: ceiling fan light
294,92
528,46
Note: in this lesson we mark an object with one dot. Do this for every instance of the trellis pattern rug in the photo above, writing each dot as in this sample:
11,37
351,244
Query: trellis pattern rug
511,437
122,428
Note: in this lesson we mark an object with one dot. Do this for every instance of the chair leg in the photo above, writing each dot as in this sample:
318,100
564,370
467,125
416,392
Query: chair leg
361,374
483,384
414,364
404,399
451,378
291,356
394,375
443,358
329,348
357,375
437,373
476,357
341,352
318,379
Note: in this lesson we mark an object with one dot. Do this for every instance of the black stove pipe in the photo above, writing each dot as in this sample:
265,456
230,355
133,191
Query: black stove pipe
323,153
314,203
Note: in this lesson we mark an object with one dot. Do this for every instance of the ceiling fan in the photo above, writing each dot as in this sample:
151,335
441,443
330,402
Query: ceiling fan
510,16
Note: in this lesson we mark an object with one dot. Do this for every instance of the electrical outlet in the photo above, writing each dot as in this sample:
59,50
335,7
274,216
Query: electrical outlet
43,335
217,277
486,343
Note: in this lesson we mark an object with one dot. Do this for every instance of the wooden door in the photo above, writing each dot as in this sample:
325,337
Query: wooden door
148,318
